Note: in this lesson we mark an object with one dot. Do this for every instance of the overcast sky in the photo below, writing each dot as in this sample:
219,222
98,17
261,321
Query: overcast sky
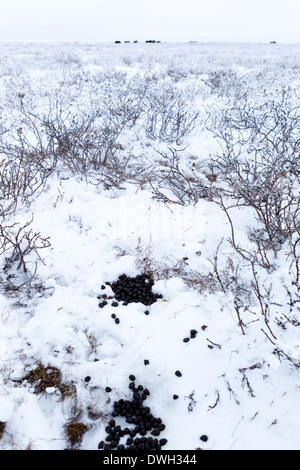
166,20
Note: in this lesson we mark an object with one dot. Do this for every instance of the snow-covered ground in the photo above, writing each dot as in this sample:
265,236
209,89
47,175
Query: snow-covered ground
239,384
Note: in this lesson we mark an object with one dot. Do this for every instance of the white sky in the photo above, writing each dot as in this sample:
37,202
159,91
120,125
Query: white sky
107,20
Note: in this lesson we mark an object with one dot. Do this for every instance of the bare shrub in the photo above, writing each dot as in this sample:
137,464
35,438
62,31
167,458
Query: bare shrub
17,243
259,168
24,168
171,183
226,82
170,114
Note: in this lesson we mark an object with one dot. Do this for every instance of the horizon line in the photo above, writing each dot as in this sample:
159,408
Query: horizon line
152,41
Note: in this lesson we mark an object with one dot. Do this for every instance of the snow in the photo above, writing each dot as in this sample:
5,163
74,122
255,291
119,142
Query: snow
96,234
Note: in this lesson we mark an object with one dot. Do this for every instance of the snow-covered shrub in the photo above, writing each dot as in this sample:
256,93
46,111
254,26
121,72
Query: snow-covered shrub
20,249
170,114
259,167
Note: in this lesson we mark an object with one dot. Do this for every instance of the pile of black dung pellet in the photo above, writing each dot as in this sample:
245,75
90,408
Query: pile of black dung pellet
135,289
144,430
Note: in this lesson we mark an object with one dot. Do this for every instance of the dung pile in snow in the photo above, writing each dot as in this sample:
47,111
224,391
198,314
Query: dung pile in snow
134,289
144,429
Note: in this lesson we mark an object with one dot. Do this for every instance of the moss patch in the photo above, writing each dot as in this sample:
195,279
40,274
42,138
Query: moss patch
74,433
2,427
46,377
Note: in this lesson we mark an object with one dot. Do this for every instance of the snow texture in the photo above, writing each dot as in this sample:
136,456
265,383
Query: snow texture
234,388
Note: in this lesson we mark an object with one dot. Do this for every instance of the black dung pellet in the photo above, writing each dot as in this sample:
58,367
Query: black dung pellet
146,312
178,373
193,333
107,389
87,378
132,377
114,304
113,315
186,340
163,442
204,437
103,287
114,444
146,362
101,445
175,397
117,320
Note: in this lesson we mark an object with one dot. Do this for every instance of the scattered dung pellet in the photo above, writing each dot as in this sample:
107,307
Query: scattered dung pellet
101,445
193,333
114,304
117,320
175,397
178,373
87,378
204,438
146,362
103,287
113,315
146,312
107,389
132,377
186,340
